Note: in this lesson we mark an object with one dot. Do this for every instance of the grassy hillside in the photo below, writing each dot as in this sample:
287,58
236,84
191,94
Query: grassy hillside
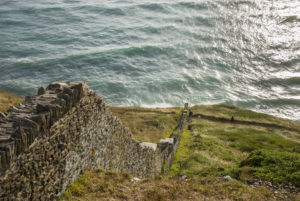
254,148
250,146
7,100
259,152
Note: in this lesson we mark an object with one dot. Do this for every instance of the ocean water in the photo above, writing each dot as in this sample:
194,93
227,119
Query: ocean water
157,53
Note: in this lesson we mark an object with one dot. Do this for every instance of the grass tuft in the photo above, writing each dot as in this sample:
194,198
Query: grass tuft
7,100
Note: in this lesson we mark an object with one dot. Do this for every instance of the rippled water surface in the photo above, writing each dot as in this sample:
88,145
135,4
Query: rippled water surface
157,53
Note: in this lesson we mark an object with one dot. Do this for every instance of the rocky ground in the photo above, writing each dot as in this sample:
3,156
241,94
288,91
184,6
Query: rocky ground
280,192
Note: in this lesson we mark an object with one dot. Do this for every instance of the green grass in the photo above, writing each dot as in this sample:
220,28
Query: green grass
78,188
217,148
278,166
226,111
249,139
97,183
100,185
198,156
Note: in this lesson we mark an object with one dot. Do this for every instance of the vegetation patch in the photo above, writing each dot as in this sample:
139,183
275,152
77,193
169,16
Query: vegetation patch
7,100
148,124
218,148
100,185
247,139
225,112
278,166
204,157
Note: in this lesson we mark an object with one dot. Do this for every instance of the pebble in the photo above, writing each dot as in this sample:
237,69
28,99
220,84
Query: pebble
134,179
227,177
183,177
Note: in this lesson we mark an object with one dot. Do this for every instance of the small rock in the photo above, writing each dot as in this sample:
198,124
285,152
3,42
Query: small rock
183,177
275,192
41,91
227,177
134,179
2,115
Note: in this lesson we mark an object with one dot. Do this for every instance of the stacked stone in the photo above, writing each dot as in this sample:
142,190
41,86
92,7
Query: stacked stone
167,147
22,161
23,123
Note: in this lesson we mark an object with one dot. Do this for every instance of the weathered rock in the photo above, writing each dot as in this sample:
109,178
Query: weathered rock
2,115
28,99
41,91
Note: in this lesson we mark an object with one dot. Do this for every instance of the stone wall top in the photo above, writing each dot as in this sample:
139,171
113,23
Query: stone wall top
21,124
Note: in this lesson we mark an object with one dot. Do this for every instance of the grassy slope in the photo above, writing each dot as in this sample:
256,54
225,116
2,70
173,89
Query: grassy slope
148,124
99,185
254,145
218,147
7,100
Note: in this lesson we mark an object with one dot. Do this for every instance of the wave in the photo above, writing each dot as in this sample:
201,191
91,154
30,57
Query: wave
33,10
192,5
12,23
144,50
267,103
147,51
154,7
157,29
37,10
290,19
100,10
292,81
287,63
157,105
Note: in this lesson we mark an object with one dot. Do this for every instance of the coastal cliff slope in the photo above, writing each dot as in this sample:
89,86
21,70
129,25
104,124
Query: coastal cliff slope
225,153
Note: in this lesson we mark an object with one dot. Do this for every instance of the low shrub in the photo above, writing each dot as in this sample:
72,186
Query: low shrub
280,167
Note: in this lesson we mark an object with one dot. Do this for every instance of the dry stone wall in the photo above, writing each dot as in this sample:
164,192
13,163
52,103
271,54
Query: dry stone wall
46,142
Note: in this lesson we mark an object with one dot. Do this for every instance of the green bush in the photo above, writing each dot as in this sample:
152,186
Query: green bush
280,167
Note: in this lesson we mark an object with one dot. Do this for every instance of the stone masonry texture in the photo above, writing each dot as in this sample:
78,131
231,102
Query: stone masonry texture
47,141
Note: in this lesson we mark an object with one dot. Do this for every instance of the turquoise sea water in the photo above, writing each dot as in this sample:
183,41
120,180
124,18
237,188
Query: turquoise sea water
157,53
